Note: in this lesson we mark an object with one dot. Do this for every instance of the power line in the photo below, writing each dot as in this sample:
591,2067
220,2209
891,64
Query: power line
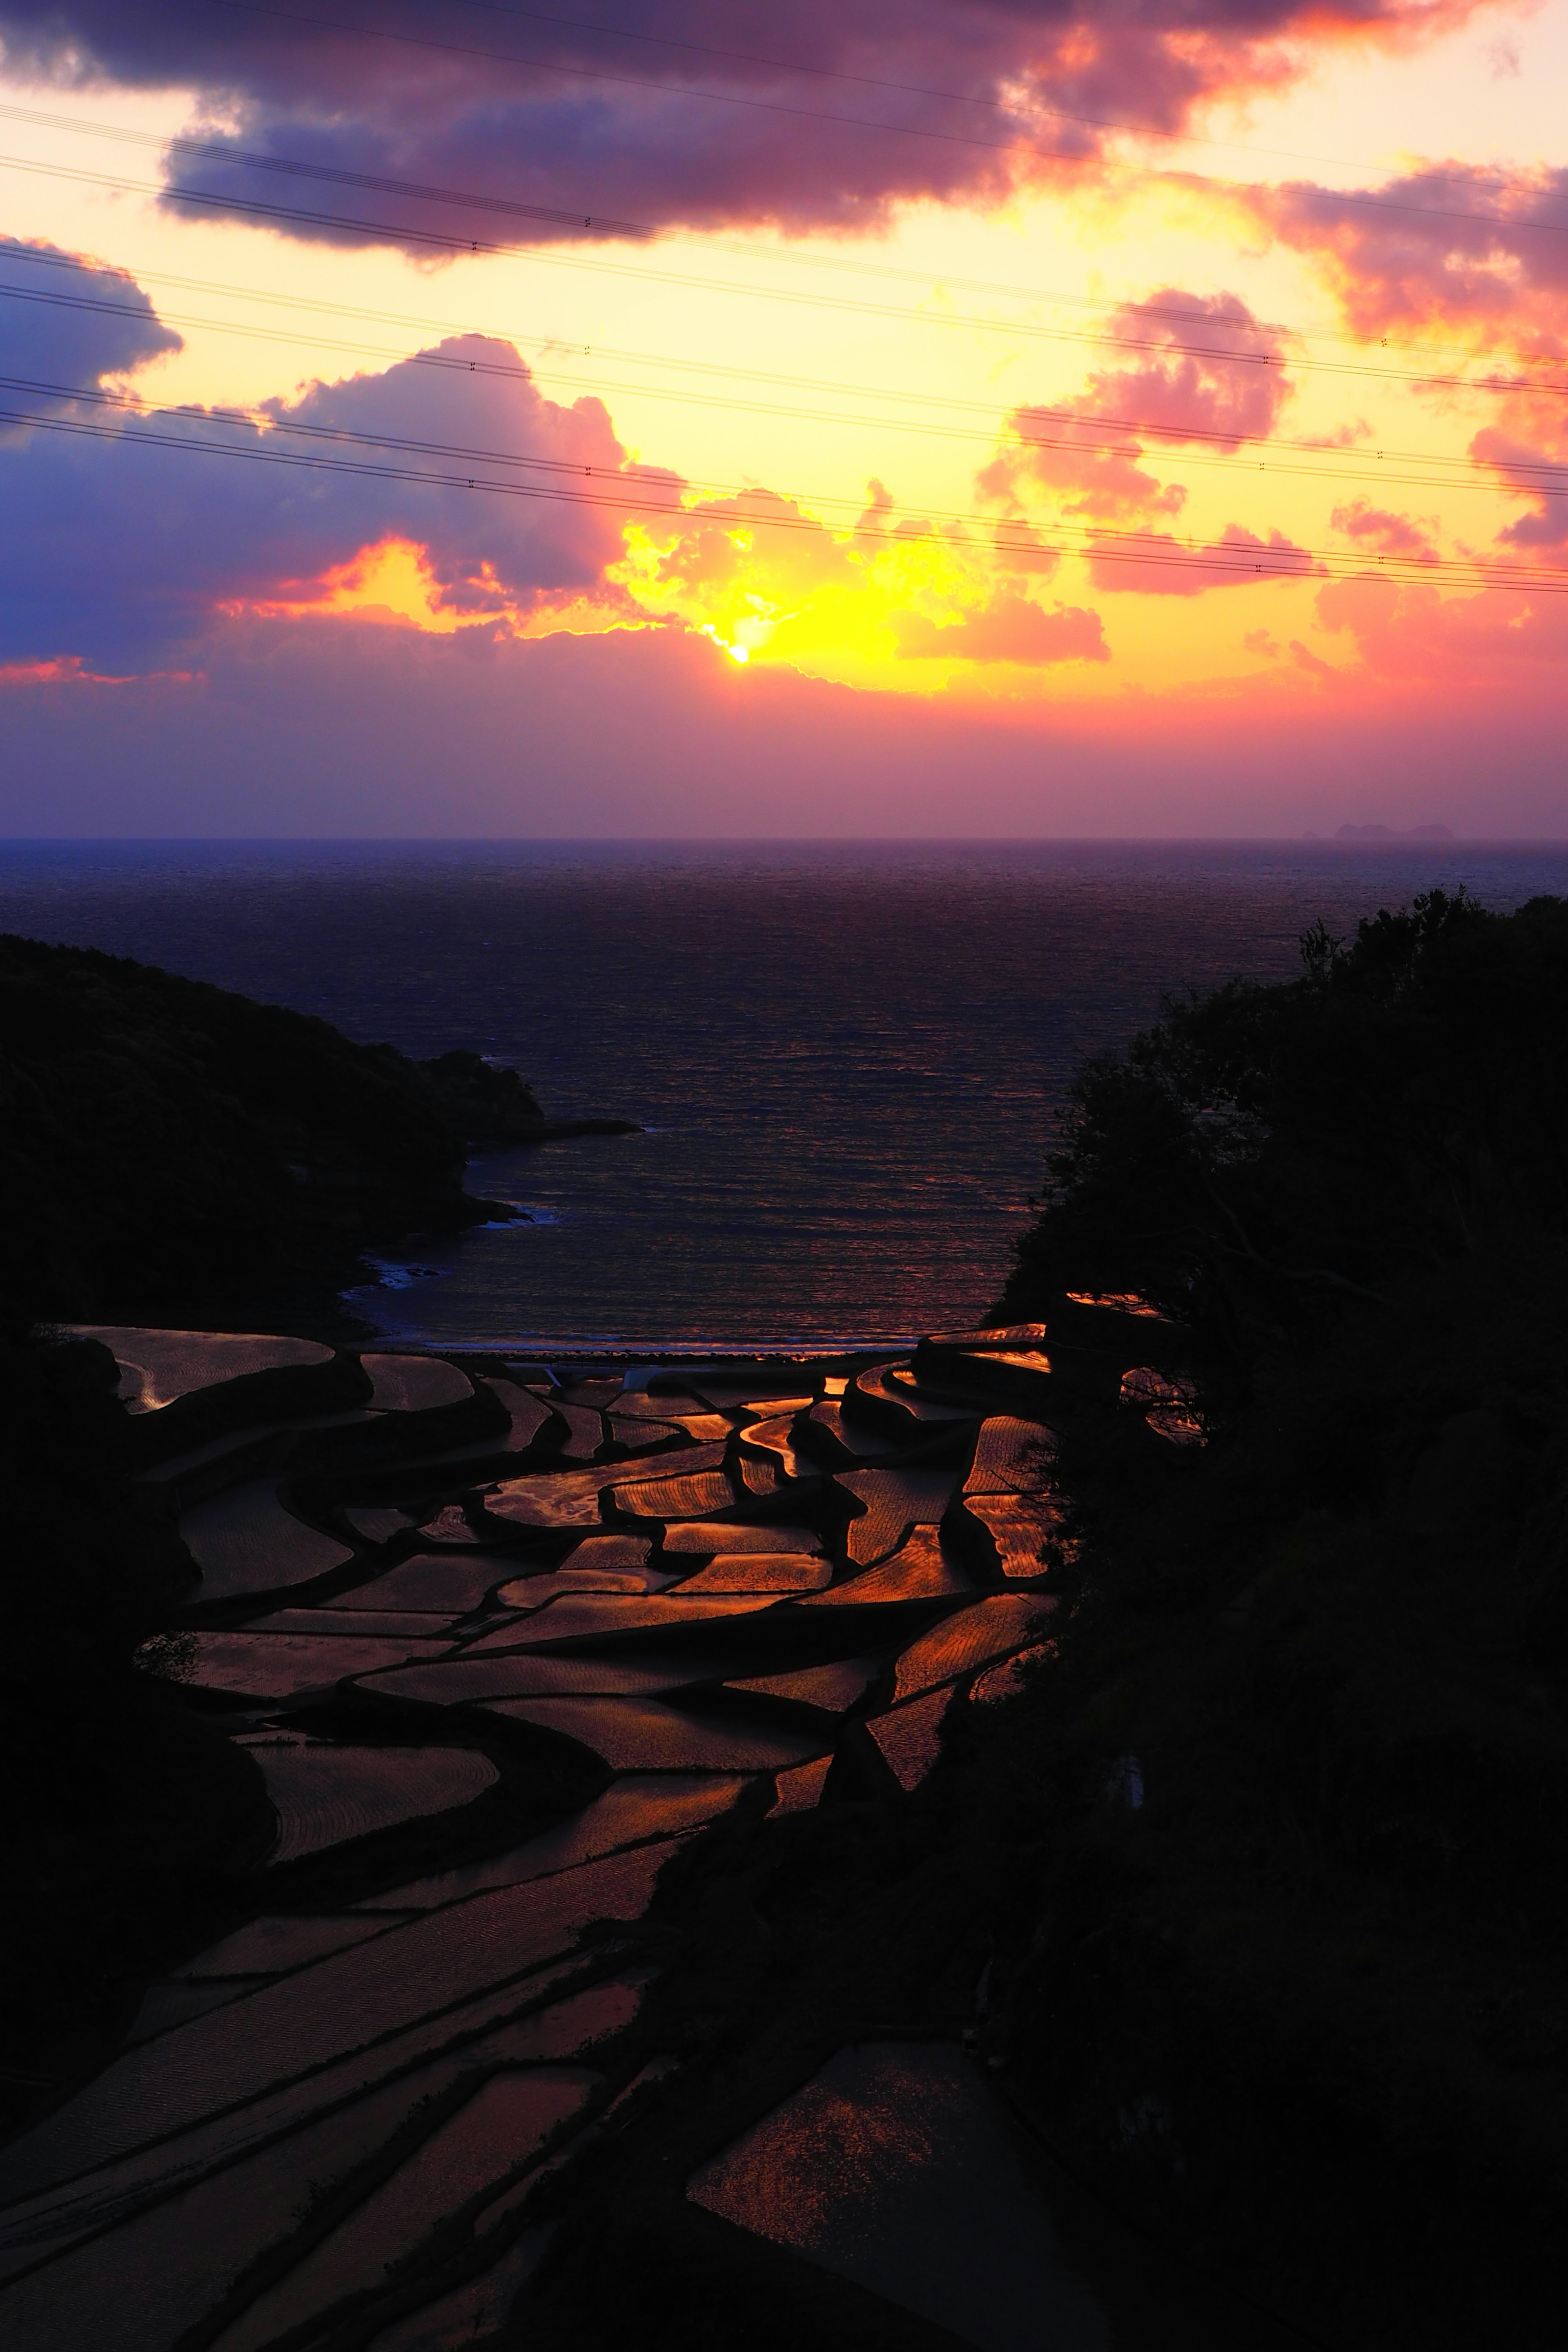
1095,541
47,258
379,231
607,227
1022,436
769,105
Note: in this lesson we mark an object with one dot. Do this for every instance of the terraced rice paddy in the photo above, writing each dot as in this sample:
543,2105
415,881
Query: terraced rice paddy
494,1688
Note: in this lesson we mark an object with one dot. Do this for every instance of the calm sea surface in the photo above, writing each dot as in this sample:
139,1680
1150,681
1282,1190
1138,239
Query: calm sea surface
847,1057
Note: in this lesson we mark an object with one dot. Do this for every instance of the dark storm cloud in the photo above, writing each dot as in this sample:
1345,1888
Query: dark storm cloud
565,112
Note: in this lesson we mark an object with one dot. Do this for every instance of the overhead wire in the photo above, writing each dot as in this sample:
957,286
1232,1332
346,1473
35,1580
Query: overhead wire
769,105
606,226
345,224
1016,429
51,257
1093,540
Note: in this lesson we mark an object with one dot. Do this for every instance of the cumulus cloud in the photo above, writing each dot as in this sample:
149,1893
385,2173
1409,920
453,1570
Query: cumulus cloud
1212,376
947,101
69,345
1454,244
1009,628
1527,469
125,526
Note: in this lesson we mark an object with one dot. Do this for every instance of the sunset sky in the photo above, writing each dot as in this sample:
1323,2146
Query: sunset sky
652,417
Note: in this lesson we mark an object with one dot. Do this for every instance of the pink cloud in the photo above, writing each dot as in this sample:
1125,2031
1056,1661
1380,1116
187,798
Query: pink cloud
1155,563
1010,628
1527,470
1454,242
120,546
1212,376
1383,533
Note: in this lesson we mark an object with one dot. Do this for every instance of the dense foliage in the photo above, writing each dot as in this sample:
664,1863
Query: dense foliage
1266,1150
1315,1980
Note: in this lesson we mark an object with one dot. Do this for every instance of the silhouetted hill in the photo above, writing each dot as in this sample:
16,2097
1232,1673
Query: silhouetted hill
164,1141
1302,2003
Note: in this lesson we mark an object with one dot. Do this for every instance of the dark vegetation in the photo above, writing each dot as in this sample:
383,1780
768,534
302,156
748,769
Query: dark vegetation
1306,2007
117,1805
172,1151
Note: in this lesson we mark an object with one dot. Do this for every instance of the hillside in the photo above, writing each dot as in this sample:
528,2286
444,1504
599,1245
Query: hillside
167,1147
1287,1968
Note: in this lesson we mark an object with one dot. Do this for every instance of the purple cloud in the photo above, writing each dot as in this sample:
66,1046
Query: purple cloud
1213,375
643,120
124,527
46,342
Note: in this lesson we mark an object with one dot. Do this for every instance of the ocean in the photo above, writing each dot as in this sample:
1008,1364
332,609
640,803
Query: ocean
847,1057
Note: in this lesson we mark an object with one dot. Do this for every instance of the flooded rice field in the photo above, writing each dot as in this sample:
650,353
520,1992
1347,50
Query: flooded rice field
514,1648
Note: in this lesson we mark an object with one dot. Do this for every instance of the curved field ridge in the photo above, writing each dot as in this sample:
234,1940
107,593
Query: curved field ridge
968,1639
286,1666
245,1541
1015,1530
834,1688
487,2141
758,1571
415,1383
428,1583
339,2006
575,1614
325,1795
270,1945
895,1501
910,1736
703,1535
525,1673
631,1811
157,1367
1011,1456
644,1735
920,1569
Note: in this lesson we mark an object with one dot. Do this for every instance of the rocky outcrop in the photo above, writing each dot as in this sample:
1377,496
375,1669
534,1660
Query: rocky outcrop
490,1107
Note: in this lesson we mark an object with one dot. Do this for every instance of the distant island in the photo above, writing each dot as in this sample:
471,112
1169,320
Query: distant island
1393,833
